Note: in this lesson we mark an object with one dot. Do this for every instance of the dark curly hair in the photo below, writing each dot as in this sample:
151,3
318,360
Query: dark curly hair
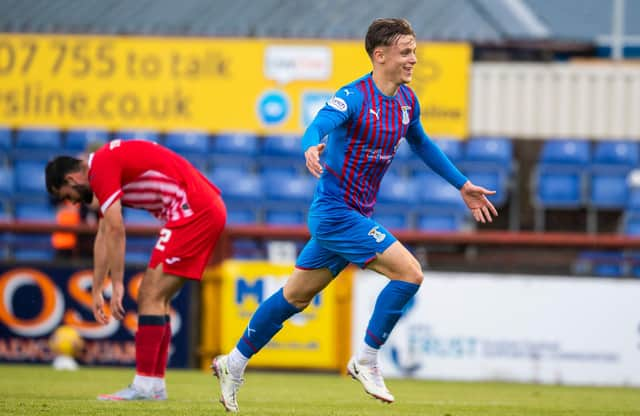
57,169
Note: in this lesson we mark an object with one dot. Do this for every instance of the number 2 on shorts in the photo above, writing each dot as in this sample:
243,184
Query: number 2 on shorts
165,235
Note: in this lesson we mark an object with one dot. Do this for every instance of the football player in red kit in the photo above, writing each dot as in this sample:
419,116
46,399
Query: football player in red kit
142,174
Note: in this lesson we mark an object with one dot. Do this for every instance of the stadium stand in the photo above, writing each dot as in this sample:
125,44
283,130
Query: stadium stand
287,198
560,178
192,145
234,149
281,154
137,134
37,145
609,171
77,140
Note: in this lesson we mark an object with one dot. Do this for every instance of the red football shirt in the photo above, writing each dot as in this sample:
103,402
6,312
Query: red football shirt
145,175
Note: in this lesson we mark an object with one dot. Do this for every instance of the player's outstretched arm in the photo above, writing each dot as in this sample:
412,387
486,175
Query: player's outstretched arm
476,199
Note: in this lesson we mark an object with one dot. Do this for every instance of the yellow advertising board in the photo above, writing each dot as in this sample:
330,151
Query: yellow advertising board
215,85
309,339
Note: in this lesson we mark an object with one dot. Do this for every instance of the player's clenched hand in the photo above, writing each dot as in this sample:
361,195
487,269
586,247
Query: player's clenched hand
116,300
476,199
98,308
312,155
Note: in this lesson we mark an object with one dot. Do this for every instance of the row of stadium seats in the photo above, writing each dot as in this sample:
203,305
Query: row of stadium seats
269,172
573,174
207,151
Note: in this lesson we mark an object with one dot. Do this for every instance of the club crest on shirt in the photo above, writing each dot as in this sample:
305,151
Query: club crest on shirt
337,103
405,114
377,235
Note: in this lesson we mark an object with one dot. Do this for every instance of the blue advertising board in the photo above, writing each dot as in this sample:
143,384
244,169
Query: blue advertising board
36,301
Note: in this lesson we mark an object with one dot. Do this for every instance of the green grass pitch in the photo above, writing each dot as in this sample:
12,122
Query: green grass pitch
39,390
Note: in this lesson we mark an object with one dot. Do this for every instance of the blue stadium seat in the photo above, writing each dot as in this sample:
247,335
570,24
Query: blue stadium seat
289,188
193,146
392,220
241,214
434,191
488,162
229,171
612,162
36,144
29,179
617,152
38,139
139,217
633,200
246,188
78,140
404,152
282,154
34,212
282,146
441,221
284,216
287,198
185,142
6,183
566,152
602,263
557,186
631,223
398,191
244,145
609,189
560,178
494,150
5,210
395,200
453,148
5,140
152,136
241,149
441,206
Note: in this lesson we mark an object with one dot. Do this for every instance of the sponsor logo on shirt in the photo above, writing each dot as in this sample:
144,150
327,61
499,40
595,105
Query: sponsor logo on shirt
338,103
377,235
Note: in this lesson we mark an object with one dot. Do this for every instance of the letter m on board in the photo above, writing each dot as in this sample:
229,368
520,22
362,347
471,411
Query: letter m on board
244,289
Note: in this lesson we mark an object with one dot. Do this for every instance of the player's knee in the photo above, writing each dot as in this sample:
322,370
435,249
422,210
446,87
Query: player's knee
300,302
415,276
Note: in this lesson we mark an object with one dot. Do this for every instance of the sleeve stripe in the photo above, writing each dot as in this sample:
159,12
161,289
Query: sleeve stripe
110,201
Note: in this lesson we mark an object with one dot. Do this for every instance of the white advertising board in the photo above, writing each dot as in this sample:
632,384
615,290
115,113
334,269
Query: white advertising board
511,327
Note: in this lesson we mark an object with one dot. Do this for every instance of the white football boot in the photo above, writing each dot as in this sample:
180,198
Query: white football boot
133,393
229,384
371,379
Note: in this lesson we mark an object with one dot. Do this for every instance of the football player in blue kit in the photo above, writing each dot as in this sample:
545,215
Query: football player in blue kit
365,121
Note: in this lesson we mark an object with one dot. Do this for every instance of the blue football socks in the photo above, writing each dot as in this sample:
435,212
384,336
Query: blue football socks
265,323
389,306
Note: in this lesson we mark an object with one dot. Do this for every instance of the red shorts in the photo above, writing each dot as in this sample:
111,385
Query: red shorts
184,249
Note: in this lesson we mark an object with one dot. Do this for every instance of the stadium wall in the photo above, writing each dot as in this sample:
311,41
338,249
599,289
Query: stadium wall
556,100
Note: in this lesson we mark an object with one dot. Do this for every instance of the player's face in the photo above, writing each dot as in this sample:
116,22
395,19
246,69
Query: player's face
400,59
76,193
